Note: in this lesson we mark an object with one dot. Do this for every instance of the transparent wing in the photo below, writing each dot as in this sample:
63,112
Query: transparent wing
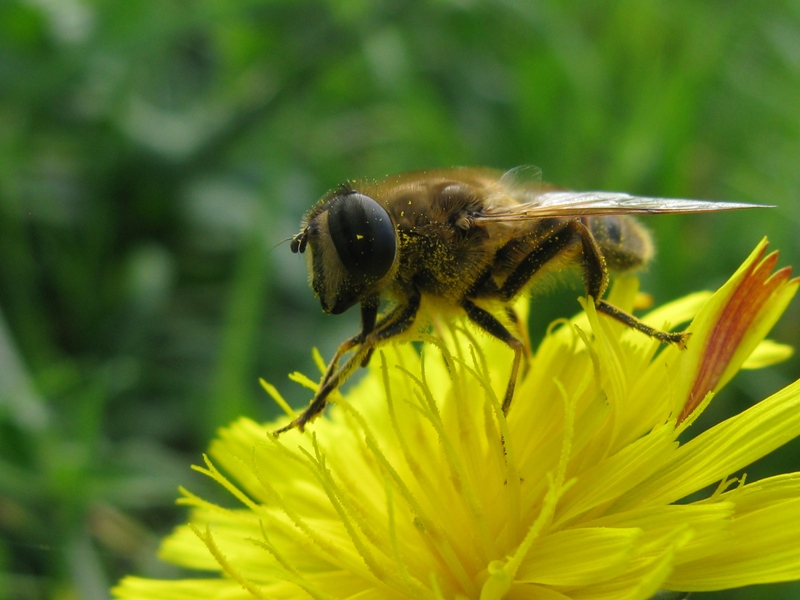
522,180
539,205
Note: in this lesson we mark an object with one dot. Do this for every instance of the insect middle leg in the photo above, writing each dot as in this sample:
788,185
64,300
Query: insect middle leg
395,323
560,239
522,332
489,323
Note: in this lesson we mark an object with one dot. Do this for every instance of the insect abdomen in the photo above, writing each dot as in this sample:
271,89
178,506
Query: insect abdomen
624,242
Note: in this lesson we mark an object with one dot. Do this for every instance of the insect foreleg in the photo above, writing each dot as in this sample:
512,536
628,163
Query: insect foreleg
491,325
333,378
369,314
596,281
398,321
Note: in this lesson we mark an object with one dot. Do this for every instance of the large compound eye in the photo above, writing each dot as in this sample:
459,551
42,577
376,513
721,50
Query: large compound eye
363,235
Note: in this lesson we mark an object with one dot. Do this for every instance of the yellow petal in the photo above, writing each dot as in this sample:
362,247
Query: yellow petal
595,554
766,354
724,449
762,548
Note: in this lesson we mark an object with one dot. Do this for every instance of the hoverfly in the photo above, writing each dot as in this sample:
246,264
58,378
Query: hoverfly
472,239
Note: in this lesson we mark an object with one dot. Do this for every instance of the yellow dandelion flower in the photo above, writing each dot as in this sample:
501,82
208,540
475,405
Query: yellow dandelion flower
417,486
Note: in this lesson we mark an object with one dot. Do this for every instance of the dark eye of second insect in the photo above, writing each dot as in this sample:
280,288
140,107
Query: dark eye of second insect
363,235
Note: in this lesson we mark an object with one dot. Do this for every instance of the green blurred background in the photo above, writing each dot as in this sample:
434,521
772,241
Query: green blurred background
152,155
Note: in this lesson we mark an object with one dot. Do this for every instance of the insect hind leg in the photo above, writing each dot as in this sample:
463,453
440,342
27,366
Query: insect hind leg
667,337
595,275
